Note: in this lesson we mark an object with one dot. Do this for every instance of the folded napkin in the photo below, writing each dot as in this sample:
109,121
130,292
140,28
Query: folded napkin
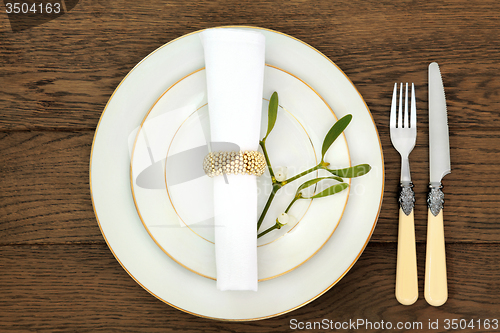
234,61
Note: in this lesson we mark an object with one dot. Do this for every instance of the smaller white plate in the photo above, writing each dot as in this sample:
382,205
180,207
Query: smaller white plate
176,206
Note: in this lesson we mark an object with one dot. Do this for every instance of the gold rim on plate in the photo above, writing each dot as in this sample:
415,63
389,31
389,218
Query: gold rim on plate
255,318
178,261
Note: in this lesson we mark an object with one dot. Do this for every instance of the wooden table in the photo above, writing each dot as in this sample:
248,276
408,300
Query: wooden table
58,275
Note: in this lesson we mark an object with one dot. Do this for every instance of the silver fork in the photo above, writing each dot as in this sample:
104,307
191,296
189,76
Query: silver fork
403,137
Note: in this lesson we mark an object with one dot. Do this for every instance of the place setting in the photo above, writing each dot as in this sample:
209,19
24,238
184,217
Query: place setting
236,173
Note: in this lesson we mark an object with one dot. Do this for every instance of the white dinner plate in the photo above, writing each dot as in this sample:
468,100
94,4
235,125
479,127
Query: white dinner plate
138,253
176,206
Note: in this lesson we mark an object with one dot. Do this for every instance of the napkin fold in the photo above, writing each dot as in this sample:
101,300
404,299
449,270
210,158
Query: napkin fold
234,62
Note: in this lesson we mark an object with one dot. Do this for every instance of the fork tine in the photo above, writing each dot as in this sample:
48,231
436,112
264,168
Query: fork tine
406,108
400,114
392,122
413,108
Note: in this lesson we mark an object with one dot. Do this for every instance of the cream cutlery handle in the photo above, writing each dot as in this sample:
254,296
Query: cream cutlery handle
436,287
406,270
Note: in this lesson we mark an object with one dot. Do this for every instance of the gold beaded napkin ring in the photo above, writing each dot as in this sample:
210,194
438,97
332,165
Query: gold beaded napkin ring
234,163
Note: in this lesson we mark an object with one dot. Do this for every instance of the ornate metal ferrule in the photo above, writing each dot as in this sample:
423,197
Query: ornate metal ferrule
435,199
407,198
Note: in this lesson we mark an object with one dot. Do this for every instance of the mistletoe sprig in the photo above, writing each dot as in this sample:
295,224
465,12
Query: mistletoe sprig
337,175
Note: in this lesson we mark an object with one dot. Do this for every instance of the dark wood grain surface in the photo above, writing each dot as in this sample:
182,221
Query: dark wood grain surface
57,273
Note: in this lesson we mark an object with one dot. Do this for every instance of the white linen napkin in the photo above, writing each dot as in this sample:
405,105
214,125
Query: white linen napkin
234,62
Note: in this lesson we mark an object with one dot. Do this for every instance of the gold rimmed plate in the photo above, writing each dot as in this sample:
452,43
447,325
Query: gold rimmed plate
176,206
145,261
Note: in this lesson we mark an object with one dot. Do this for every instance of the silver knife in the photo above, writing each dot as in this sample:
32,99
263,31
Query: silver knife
436,288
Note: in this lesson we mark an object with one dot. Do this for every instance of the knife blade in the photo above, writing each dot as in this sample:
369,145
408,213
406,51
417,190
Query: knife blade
436,286
439,142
